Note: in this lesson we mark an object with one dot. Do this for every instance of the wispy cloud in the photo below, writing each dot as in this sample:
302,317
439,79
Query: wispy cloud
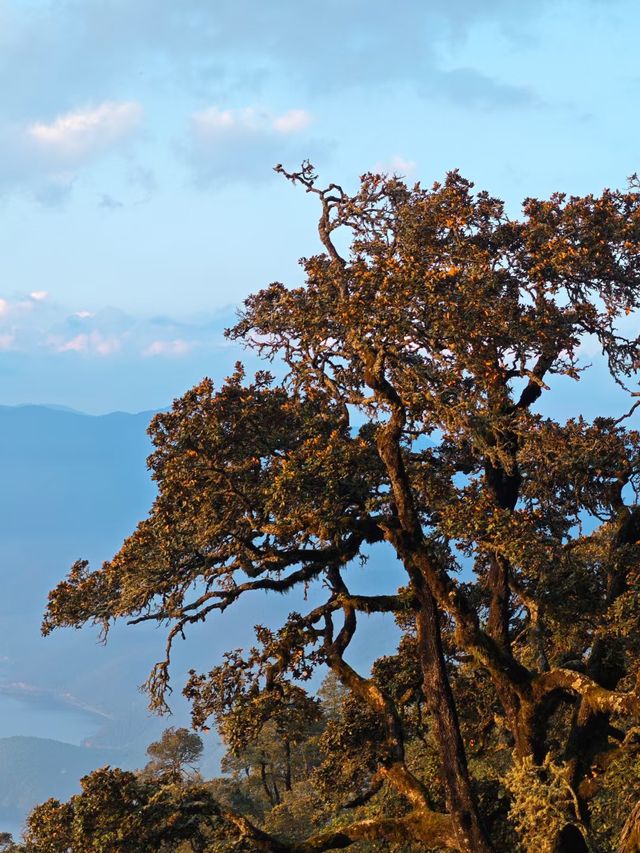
232,44
470,88
38,323
73,137
93,343
45,157
292,121
244,144
107,359
174,348
50,699
397,165
20,305
214,122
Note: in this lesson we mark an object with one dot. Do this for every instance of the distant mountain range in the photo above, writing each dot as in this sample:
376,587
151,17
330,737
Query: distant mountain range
35,769
72,486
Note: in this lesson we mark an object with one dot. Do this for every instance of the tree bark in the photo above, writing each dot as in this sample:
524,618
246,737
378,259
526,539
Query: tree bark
431,829
570,840
467,826
287,764
272,797
630,835
499,612
589,734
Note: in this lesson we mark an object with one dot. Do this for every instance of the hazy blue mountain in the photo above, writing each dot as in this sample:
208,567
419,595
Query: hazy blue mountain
72,486
39,768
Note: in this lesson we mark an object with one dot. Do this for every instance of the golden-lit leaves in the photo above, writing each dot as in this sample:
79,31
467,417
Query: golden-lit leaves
245,475
118,811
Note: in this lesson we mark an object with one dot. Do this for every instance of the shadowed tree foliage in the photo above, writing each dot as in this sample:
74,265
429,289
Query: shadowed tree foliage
118,811
274,746
7,844
415,363
175,756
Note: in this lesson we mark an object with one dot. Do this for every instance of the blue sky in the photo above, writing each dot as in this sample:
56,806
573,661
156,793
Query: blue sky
137,202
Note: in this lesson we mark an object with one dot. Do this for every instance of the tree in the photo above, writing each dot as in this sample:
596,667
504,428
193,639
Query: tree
175,756
274,769
118,811
277,754
415,363
7,844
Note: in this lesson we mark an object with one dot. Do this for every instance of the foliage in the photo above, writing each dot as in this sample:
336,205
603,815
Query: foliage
117,811
542,803
408,415
616,793
175,755
7,844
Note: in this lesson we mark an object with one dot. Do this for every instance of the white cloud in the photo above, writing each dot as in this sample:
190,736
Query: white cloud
105,346
45,157
77,344
93,343
21,305
214,122
397,165
292,121
245,143
51,328
17,306
174,348
74,136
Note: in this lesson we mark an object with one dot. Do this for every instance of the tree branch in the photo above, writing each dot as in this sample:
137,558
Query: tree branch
534,387
595,697
375,785
431,828
317,560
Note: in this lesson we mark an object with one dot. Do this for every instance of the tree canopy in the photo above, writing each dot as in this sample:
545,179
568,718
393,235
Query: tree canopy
415,364
119,812
175,756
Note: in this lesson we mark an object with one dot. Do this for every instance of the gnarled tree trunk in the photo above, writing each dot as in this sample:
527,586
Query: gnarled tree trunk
460,800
